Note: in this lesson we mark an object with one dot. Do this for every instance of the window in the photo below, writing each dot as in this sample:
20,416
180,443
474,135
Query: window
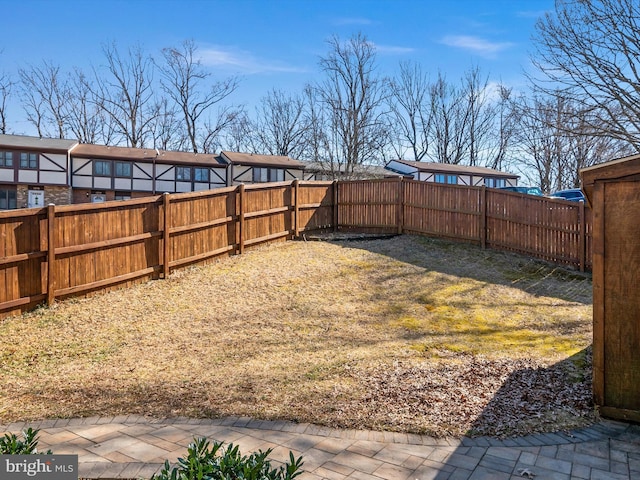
201,175
261,174
102,168
276,175
494,182
7,199
122,196
183,174
29,160
442,178
6,159
123,169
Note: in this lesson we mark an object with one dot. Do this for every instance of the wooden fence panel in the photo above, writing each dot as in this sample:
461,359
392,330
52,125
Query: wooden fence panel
98,246
448,211
267,212
369,206
23,256
201,226
315,206
545,228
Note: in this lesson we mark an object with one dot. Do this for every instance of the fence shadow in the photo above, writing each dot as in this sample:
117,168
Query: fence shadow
465,260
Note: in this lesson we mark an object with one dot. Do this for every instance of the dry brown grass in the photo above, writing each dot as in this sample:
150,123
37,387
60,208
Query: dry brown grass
404,334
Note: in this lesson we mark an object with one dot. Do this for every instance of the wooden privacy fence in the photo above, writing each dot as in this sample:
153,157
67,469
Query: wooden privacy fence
554,230
61,251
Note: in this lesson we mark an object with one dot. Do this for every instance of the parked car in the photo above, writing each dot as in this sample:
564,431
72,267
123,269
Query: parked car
573,195
527,190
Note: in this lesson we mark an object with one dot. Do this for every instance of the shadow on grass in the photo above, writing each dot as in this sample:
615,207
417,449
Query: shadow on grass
560,394
488,266
555,395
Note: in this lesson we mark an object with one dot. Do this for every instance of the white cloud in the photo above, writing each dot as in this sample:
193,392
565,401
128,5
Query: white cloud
531,13
393,50
477,45
342,21
241,61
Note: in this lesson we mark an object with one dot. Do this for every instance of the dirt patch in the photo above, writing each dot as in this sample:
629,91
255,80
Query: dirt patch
404,334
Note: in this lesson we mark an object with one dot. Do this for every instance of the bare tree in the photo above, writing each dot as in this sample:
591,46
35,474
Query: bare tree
123,91
237,137
589,53
505,127
481,114
450,122
86,121
556,142
319,148
410,112
166,127
352,95
182,76
46,97
280,128
216,125
6,85
539,140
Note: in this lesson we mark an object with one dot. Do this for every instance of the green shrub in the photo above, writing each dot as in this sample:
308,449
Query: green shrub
11,445
216,463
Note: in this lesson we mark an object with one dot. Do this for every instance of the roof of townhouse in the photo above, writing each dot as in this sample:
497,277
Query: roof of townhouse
143,154
453,168
362,170
260,160
36,143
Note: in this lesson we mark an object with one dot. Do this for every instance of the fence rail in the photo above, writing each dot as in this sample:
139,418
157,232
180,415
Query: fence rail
63,251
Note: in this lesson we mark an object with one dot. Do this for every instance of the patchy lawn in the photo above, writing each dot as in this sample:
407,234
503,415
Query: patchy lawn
404,334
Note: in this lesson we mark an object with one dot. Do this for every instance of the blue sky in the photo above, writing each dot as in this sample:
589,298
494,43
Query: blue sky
274,43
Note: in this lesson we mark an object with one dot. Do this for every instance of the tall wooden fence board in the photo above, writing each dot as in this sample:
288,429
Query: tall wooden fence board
76,249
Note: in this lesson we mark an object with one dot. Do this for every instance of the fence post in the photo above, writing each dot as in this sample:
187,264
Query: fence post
51,253
296,209
335,205
483,217
582,244
165,236
241,219
400,205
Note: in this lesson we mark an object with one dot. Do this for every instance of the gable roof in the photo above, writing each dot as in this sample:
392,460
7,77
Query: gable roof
143,154
362,170
260,160
36,143
455,169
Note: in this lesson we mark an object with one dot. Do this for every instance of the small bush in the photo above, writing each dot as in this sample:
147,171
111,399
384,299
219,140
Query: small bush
204,463
10,444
